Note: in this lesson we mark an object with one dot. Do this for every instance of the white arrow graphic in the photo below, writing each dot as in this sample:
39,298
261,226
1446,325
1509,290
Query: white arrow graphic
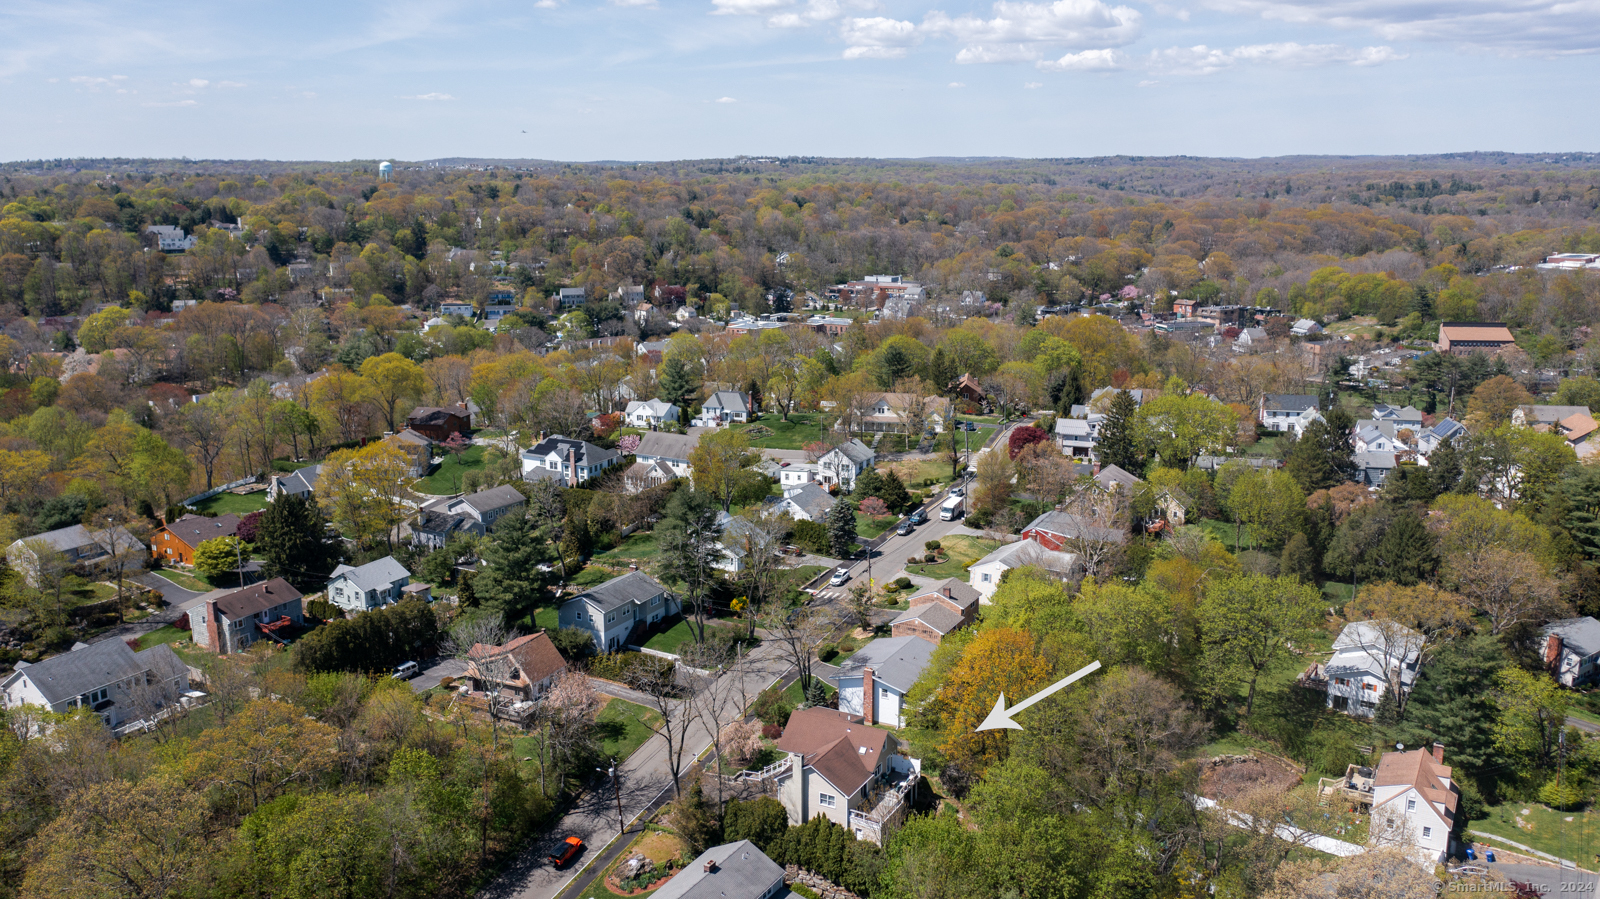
1001,716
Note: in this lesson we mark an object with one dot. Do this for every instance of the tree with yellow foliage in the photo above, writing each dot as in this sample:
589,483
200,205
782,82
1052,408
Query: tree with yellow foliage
363,491
1000,660
393,380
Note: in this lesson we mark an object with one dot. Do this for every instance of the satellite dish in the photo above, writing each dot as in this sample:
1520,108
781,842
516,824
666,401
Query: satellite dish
1400,746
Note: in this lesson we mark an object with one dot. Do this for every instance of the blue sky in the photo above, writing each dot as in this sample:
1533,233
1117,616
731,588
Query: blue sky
670,79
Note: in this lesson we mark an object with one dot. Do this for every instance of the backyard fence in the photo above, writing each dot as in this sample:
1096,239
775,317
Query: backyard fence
202,497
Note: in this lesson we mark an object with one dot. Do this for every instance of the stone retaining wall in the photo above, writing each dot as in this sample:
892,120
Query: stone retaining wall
827,889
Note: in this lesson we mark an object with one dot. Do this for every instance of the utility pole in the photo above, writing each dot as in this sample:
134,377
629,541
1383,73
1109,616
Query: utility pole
616,782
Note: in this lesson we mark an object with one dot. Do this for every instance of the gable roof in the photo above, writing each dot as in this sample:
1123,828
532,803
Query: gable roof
635,586
1581,635
1034,555
373,575
434,415
1112,475
1415,769
1375,460
245,601
1481,331
536,656
738,871
650,407
503,497
1357,651
1447,428
1383,411
896,661
1073,427
941,618
301,481
75,673
1578,426
1292,402
196,529
842,748
660,444
583,452
1066,524
731,400
812,500
956,592
854,450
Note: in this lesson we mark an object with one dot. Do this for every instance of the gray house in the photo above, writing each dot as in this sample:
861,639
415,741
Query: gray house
1571,649
370,586
807,502
730,871
108,678
874,682
300,483
226,621
725,406
612,610
841,464
77,545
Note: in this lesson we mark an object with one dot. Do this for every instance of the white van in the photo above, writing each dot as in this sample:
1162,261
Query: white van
406,671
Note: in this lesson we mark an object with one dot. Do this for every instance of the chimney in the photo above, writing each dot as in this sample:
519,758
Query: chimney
1438,753
869,695
711,865
1552,650
572,468
1096,468
947,591
214,628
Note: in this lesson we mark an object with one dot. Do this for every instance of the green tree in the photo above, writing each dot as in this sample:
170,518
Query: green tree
941,371
842,528
219,556
893,492
1533,712
1247,623
689,539
1582,390
1453,702
1118,444
868,483
1324,456
1270,504
1180,426
395,380
1444,467
762,821
293,542
677,383
1381,542
719,462
94,335
696,821
511,581
894,365
1299,560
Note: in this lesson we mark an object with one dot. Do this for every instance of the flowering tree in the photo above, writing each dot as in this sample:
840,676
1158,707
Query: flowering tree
457,444
816,450
605,424
1023,436
629,444
874,507
248,526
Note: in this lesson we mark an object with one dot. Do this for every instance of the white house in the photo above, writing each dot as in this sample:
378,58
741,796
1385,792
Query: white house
370,586
77,546
838,766
797,473
984,575
1378,437
1571,650
1408,417
301,483
1370,658
610,611
566,460
171,239
1305,327
725,406
535,665
671,450
1447,429
1077,436
844,462
1289,412
1252,337
649,413
1414,804
108,678
873,683
807,502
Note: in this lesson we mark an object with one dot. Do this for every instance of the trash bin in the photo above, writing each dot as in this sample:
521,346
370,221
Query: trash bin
1471,855
1488,855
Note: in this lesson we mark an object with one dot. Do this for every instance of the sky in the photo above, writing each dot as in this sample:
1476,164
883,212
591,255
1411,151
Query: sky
583,80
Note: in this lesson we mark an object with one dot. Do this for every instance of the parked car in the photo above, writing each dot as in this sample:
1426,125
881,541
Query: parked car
839,577
570,847
904,528
406,671
918,517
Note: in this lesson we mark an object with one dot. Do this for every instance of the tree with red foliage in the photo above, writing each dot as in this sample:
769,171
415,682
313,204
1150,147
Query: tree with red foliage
1025,436
457,444
874,507
603,425
248,527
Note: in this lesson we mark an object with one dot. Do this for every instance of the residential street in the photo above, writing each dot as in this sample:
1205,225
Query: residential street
645,776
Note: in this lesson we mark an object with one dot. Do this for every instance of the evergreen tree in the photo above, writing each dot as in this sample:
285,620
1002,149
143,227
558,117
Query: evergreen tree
510,581
1406,554
868,483
762,821
1444,467
695,821
1387,714
1324,456
1453,702
293,541
894,366
941,370
893,492
1117,444
754,390
677,383
842,528
1298,560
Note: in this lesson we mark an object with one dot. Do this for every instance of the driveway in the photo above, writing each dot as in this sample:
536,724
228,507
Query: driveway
172,593
173,598
437,670
1548,880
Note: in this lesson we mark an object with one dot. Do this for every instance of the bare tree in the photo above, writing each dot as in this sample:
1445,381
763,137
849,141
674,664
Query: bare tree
481,642
800,631
1098,528
761,539
1510,587
154,699
566,720
673,691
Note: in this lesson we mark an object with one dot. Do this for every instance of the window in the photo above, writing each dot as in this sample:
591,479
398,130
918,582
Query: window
826,799
1427,832
986,578
1411,805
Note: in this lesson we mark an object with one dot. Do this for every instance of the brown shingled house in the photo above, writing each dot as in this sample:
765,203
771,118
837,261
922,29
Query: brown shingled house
526,667
935,613
176,543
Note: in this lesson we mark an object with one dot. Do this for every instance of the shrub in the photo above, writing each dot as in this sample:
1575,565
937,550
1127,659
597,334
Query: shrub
770,708
931,546
874,507
902,583
827,652
912,560
1563,796
800,889
772,731
321,608
446,683
930,557
573,643
811,536
847,646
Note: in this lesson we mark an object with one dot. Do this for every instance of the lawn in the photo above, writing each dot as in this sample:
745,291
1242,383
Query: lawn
914,472
1225,532
165,634
672,638
795,697
872,527
961,551
447,478
186,580
592,576
801,428
636,548
547,618
1573,835
223,503
623,727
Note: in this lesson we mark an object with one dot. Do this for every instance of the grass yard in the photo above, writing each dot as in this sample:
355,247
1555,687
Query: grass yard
1225,532
872,527
1338,594
801,428
1573,835
223,503
623,727
639,547
671,639
793,695
915,471
164,634
447,479
592,576
187,580
961,551
547,618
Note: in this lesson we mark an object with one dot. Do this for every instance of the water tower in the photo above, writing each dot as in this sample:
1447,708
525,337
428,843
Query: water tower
385,169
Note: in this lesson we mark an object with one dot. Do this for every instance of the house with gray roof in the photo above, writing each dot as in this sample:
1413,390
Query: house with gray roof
1077,436
649,413
984,575
1055,530
1289,412
1571,650
226,621
611,611
1447,429
873,683
566,460
730,871
302,483
934,613
77,546
844,462
671,449
369,586
1399,416
806,502
726,406
107,678
488,506
1373,467
1370,659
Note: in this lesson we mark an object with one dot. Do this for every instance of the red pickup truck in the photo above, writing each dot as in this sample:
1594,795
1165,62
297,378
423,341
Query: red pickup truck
568,851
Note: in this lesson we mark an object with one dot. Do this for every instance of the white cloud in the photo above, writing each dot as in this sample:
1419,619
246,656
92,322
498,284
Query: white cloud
1510,27
649,4
1032,85
175,103
432,96
1021,31
547,4
1203,60
726,100
1148,83
96,82
230,84
878,38
956,84
198,82
1085,61
748,7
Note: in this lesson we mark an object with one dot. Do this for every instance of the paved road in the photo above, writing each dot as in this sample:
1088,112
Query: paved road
1548,880
172,593
1583,725
645,776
